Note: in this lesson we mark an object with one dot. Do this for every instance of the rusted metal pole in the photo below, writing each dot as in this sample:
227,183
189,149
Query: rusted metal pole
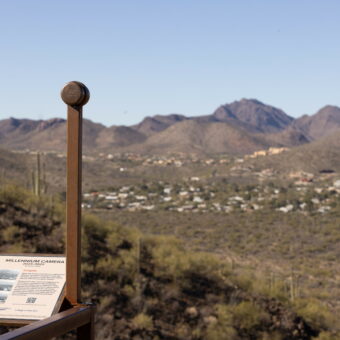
75,95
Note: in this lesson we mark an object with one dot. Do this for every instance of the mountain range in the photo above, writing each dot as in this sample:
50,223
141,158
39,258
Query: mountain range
241,127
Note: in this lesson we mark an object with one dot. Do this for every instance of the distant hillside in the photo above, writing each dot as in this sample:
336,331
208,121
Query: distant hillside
322,154
116,137
31,134
237,128
323,123
13,166
50,135
151,125
190,136
289,137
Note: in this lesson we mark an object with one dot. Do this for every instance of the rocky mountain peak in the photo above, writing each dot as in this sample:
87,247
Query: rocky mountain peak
254,115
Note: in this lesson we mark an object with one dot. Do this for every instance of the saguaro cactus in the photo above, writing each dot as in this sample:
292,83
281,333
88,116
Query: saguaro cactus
39,184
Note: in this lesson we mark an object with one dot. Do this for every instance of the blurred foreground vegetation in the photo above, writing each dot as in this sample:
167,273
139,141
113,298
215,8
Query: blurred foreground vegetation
152,287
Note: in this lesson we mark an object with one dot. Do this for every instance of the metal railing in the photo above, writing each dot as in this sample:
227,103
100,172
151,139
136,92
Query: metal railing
80,318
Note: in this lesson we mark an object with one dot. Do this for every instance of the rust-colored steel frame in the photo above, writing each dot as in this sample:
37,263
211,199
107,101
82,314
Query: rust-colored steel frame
73,205
79,317
75,95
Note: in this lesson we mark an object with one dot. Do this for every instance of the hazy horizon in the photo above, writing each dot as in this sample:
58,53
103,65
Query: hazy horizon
93,119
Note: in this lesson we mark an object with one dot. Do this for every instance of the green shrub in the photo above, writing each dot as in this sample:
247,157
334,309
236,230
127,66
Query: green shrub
223,329
327,336
247,315
221,332
12,194
271,336
143,321
94,236
315,313
167,256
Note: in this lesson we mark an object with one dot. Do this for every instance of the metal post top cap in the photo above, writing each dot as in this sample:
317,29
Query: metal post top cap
75,93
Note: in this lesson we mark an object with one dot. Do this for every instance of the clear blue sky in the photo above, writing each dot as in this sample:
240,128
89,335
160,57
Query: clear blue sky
143,57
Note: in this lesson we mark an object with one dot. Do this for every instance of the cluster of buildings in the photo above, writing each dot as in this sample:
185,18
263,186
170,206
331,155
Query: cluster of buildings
195,196
179,159
269,152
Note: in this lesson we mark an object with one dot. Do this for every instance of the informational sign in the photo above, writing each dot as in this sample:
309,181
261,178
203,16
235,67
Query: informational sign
31,287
